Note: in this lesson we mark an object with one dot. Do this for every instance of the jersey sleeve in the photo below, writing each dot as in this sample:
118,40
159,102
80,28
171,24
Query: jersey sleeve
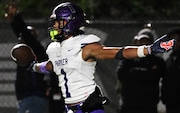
89,39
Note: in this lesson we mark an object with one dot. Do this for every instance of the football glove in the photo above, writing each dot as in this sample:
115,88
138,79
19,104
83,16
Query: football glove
161,45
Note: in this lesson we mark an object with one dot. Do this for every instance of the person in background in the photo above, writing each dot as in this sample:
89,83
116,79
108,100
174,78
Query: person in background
170,83
34,91
148,28
139,79
73,56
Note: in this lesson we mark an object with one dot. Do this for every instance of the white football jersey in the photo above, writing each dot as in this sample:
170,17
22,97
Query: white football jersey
76,76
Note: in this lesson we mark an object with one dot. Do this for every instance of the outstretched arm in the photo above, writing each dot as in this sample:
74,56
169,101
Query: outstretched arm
97,51
21,31
16,21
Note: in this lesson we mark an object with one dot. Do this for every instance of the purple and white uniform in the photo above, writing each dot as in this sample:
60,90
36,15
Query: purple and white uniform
76,76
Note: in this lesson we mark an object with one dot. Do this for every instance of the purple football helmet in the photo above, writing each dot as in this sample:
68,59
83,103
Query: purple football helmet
72,14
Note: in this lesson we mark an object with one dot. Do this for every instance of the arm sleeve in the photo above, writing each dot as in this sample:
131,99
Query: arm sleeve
18,25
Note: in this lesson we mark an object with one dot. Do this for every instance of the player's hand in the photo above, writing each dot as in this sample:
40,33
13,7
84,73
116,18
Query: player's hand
162,45
10,11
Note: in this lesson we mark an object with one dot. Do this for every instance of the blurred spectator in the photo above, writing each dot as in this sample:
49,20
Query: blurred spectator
139,80
34,91
148,29
171,82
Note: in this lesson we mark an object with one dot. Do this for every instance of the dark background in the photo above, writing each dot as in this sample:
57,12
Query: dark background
115,22
104,9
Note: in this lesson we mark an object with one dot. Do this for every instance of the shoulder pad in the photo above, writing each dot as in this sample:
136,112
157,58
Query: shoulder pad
53,47
87,39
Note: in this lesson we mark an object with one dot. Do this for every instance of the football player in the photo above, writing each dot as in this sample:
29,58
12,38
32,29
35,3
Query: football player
73,56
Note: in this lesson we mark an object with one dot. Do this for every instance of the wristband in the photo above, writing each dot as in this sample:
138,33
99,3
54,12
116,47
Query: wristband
140,51
149,50
42,67
119,54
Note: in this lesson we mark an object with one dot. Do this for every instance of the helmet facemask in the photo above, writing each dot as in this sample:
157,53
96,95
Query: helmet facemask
57,34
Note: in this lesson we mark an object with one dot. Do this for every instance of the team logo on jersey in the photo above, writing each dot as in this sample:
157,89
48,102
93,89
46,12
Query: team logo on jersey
167,45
